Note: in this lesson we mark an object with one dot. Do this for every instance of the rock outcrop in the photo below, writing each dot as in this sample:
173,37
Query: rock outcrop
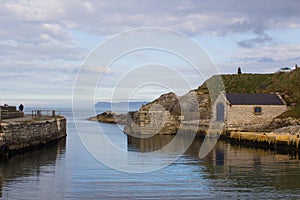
111,117
165,114
278,123
292,130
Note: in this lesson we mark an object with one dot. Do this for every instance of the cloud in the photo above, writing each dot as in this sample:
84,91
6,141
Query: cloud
259,40
31,31
190,16
39,49
278,52
264,59
40,22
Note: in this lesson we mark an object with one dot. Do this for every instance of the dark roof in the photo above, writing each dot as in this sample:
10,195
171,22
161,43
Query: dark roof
254,99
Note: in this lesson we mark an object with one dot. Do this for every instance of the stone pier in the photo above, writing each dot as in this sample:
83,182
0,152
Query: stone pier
19,135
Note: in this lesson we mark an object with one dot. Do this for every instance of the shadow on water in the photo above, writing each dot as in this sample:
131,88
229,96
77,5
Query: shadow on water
30,163
239,166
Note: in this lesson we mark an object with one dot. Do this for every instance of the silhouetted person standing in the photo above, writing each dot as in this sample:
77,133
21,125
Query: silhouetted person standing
21,107
239,71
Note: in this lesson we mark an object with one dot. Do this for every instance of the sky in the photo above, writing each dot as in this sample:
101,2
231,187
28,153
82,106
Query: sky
43,44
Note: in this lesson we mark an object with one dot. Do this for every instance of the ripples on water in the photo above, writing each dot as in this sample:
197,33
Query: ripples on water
67,171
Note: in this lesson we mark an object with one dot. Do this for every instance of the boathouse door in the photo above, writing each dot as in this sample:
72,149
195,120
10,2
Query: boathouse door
220,112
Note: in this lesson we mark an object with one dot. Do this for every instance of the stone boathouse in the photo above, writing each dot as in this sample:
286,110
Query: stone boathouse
238,110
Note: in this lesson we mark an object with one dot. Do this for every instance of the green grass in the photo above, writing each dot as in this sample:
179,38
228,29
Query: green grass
294,113
286,84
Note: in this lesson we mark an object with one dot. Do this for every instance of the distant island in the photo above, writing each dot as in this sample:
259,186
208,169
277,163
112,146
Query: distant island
122,106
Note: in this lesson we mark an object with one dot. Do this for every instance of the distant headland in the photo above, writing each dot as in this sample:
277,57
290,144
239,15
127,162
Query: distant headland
122,105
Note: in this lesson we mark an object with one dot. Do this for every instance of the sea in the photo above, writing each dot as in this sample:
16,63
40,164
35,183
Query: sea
72,169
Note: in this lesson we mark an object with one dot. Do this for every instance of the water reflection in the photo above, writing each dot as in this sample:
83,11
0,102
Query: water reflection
259,169
229,171
241,169
147,144
30,163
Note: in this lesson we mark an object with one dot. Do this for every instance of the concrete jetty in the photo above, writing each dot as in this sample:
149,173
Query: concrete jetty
284,141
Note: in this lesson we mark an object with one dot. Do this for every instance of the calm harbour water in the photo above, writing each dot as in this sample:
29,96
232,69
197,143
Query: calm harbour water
67,171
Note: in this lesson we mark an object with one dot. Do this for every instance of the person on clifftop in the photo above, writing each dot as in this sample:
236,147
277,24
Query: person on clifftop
21,107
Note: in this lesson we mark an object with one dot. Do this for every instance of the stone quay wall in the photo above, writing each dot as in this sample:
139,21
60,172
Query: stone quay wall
20,135
284,142
9,112
11,115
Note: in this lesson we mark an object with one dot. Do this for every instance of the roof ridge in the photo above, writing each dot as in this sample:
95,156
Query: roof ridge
254,99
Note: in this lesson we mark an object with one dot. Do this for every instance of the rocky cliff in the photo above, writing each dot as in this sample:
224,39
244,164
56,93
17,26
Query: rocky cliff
166,113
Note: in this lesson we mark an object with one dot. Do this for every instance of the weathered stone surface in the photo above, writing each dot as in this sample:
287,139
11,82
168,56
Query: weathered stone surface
276,123
165,114
15,136
279,123
151,123
292,130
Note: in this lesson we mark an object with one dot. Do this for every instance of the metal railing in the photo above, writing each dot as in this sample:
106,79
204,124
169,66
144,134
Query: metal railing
44,114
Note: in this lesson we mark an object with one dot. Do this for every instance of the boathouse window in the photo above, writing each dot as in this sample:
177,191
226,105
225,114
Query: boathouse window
257,110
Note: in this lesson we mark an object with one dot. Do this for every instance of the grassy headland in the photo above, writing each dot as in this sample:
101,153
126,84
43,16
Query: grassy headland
287,84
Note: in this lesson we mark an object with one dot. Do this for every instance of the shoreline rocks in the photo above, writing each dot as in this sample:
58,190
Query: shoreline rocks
292,130
110,117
